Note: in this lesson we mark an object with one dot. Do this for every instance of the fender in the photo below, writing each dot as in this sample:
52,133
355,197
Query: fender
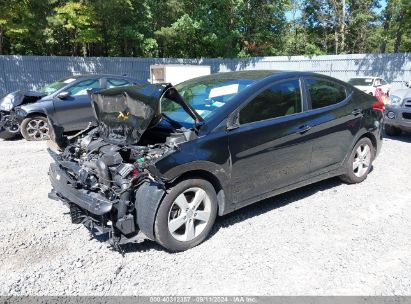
216,170
43,108
147,200
214,173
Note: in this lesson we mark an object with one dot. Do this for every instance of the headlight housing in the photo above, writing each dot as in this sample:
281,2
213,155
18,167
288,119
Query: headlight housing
395,100
6,103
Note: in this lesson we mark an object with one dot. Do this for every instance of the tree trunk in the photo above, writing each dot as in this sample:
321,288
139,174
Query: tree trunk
342,26
336,41
387,21
398,38
1,40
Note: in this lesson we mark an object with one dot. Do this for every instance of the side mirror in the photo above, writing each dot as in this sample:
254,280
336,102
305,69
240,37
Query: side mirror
63,95
233,121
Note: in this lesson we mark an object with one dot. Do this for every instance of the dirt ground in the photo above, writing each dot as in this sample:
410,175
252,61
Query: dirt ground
325,239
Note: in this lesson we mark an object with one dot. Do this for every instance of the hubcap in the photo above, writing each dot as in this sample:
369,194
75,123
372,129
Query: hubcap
38,129
362,160
189,214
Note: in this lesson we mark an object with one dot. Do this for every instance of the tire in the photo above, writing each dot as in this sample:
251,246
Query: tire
35,128
392,131
359,163
7,135
177,229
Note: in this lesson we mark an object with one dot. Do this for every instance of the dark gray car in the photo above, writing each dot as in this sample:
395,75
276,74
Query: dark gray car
398,113
65,102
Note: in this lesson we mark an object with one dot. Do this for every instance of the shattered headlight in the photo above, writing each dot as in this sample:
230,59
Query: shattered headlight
6,103
394,100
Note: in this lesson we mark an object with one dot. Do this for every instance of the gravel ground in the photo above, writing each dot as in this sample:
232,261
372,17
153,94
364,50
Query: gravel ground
325,239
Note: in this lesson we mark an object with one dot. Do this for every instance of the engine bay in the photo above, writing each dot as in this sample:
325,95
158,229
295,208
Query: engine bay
110,173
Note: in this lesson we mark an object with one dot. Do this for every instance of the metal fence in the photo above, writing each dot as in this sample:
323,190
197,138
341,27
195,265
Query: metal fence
32,72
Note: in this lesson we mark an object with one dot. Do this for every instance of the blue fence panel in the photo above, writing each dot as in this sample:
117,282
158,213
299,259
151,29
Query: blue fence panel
32,72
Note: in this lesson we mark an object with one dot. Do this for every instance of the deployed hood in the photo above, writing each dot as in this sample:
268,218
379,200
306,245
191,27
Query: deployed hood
12,100
125,113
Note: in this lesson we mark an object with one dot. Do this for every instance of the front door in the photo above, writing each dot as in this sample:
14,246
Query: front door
75,111
271,146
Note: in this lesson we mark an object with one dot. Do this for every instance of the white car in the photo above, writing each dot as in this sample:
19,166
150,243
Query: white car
370,84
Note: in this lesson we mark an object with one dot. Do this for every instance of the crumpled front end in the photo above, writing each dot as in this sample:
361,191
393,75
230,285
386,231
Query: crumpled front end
103,169
8,119
99,181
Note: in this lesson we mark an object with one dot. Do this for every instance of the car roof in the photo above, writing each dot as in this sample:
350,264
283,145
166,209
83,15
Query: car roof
257,75
261,79
85,76
365,77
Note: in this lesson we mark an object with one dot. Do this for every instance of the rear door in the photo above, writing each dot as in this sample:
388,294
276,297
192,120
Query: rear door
75,111
270,146
334,121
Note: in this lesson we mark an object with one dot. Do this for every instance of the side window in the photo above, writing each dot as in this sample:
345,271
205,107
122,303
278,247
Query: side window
115,83
377,82
82,87
283,98
324,93
383,82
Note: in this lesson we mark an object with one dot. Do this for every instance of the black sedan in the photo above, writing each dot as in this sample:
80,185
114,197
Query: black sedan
164,161
65,101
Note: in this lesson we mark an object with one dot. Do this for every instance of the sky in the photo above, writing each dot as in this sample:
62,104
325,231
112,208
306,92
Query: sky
383,4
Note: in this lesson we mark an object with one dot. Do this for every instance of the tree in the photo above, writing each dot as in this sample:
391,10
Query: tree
397,26
203,28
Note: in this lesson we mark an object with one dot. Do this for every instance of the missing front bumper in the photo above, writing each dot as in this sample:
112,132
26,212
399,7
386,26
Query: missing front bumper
63,190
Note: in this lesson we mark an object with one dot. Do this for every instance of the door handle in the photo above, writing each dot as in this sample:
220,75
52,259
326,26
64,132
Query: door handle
304,129
356,112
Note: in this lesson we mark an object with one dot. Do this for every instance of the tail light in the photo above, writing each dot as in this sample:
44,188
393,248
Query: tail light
378,105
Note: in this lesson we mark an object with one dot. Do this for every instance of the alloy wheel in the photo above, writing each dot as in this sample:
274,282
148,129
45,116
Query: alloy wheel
189,214
362,160
38,129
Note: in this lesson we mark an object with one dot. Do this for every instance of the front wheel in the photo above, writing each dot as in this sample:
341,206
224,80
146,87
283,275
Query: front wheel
35,128
186,215
359,163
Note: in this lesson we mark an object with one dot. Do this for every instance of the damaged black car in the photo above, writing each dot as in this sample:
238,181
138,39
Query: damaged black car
164,161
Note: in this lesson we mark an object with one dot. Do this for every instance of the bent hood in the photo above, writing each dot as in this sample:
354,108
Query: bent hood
17,98
125,113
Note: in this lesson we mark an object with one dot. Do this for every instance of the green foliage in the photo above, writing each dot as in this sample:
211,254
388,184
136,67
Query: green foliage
203,28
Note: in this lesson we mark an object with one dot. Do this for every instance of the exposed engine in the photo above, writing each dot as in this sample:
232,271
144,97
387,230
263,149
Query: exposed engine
113,172
108,176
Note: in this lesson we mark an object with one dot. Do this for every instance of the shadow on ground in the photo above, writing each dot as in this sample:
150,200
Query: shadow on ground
248,212
404,137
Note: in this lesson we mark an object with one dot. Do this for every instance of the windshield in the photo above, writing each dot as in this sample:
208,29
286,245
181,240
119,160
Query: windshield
55,86
361,81
206,97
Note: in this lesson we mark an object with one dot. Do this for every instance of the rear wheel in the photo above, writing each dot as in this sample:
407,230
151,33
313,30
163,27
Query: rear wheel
359,163
392,131
186,215
35,128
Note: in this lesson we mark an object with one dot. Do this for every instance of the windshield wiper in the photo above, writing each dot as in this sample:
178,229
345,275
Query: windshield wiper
171,121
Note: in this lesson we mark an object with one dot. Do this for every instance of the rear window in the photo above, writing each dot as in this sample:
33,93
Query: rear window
325,93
